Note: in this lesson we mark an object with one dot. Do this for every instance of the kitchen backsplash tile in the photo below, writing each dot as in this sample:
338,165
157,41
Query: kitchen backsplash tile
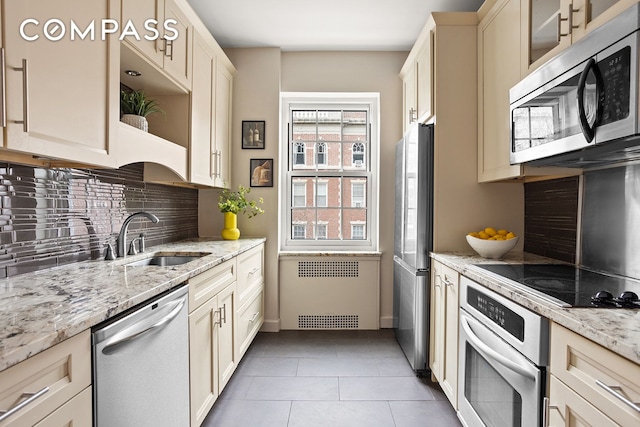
51,217
551,218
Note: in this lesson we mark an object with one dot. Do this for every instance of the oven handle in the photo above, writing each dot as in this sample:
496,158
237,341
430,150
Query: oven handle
491,353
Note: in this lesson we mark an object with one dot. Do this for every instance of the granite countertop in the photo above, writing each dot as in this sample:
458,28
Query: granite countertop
615,329
41,309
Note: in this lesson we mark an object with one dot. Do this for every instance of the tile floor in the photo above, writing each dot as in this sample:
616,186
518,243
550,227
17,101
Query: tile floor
329,378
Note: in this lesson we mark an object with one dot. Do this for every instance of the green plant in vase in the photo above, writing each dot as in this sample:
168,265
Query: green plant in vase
231,203
135,107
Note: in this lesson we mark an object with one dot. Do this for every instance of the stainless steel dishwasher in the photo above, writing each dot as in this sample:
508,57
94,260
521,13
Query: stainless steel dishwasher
141,365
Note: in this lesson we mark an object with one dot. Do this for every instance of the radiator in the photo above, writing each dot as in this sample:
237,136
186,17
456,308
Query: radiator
329,292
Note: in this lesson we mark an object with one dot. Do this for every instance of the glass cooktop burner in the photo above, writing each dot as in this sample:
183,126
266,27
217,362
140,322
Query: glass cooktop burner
570,286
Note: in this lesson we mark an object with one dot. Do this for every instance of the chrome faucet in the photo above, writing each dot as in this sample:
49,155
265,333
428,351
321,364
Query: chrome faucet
122,236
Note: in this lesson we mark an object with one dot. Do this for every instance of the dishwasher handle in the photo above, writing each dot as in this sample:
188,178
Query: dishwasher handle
117,341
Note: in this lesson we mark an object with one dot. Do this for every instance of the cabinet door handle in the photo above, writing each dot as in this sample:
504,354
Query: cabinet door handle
224,316
25,95
447,282
253,271
255,316
615,390
219,321
31,397
214,164
435,281
3,89
219,167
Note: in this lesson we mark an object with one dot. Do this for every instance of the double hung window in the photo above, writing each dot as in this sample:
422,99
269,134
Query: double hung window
330,169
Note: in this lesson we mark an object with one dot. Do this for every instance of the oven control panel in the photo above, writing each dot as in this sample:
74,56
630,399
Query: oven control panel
502,316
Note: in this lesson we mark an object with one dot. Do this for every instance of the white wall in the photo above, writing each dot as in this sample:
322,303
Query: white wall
262,74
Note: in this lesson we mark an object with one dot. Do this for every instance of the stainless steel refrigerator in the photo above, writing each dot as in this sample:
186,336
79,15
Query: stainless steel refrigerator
413,242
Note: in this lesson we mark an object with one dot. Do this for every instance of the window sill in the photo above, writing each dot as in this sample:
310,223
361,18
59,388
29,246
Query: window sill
293,254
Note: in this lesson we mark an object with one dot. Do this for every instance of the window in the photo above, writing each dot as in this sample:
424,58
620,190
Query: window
357,231
298,149
357,154
331,201
299,194
357,194
321,153
299,231
321,195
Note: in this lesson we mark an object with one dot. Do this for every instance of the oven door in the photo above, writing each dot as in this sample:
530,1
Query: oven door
498,386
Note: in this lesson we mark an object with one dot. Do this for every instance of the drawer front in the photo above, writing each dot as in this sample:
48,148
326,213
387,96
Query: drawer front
600,376
250,318
64,368
206,285
568,409
250,271
77,412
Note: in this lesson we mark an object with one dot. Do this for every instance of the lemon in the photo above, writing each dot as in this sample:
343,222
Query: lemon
490,231
483,235
510,235
474,234
503,232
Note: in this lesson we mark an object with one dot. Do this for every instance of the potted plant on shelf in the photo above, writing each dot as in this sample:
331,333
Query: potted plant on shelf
233,202
135,107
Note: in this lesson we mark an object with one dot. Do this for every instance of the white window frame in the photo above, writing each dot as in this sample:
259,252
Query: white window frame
304,100
302,185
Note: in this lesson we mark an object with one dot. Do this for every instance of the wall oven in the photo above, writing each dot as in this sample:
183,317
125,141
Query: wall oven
581,107
503,357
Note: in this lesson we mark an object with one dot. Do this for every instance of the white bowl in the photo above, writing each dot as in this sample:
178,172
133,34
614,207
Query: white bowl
491,248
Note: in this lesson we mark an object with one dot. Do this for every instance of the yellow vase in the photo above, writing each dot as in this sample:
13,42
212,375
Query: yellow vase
230,230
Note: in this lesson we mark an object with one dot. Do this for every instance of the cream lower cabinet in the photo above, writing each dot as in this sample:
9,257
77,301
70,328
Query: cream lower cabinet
212,361
62,97
250,314
60,378
443,354
589,384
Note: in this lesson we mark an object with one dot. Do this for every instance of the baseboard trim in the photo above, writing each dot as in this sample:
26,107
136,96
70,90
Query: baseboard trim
386,322
270,326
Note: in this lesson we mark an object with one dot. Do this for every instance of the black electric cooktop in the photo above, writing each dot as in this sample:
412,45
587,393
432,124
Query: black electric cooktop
570,286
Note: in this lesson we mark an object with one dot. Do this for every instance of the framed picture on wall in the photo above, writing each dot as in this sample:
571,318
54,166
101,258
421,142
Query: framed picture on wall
253,134
261,172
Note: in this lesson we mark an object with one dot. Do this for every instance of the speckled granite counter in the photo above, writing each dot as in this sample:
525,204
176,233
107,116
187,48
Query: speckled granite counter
39,310
616,329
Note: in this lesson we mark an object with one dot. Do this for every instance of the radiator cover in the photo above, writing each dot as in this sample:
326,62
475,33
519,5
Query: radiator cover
330,292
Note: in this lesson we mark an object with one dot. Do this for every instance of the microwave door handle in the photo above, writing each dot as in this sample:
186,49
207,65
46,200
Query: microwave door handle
589,130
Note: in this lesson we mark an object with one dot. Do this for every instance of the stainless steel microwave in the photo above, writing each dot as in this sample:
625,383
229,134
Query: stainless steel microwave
581,108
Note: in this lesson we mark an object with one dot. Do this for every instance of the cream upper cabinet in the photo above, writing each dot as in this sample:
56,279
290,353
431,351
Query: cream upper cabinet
202,156
224,96
210,114
444,329
409,95
417,79
553,25
61,96
171,37
499,56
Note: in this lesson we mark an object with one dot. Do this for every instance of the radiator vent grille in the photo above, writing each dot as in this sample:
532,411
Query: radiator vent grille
328,269
344,321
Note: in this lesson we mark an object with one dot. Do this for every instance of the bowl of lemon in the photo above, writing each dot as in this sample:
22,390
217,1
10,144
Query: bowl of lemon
492,243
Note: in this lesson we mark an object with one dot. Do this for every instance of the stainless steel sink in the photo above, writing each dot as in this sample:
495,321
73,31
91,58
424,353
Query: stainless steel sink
167,260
